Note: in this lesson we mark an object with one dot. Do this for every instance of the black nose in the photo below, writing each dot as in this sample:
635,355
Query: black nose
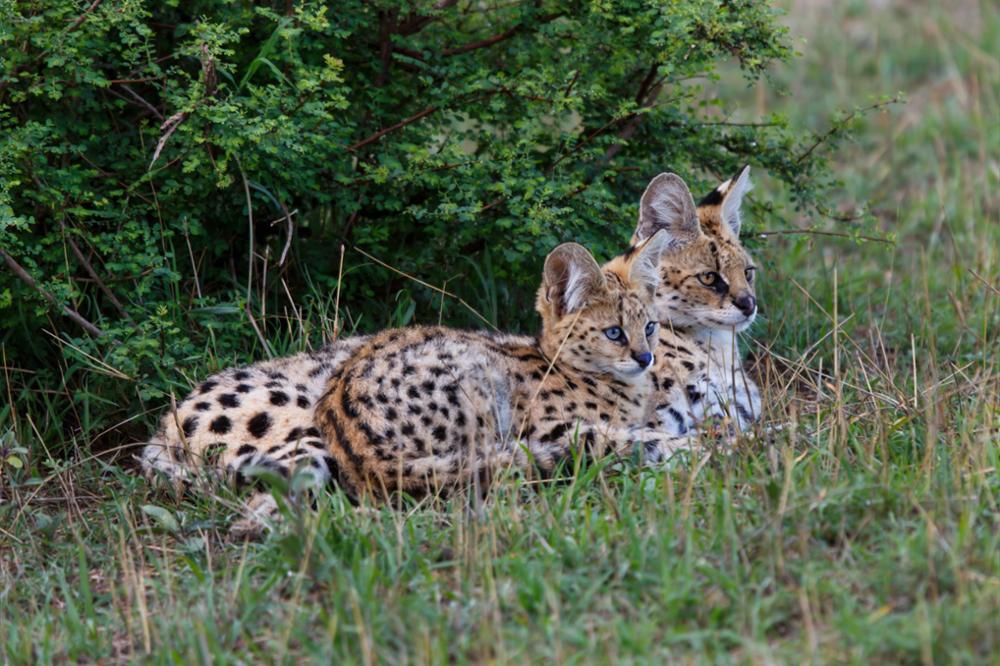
643,359
747,304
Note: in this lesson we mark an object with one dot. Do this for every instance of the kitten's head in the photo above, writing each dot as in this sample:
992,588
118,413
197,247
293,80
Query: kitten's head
600,320
707,276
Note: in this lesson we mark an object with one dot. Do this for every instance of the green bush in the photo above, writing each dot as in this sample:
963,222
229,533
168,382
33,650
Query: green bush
149,149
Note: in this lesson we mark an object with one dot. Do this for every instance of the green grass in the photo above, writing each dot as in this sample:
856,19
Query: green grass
866,531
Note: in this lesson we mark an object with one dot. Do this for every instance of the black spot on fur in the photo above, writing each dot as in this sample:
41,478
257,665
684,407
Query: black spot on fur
294,434
676,416
279,398
303,402
221,425
243,388
407,429
228,400
189,425
259,425
390,414
245,449
412,392
240,375
207,386
202,406
272,384
555,433
319,370
439,433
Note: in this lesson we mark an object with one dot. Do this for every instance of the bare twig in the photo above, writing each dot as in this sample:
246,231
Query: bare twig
142,100
428,285
392,128
253,322
495,39
816,232
19,271
93,274
169,126
288,238
839,126
83,17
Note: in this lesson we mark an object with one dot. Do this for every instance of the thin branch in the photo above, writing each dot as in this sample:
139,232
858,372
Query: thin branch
816,232
839,126
495,39
93,274
19,271
83,17
392,128
288,238
253,322
169,126
439,290
139,98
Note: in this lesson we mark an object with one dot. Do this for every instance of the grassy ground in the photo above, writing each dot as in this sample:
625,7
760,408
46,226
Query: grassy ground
866,533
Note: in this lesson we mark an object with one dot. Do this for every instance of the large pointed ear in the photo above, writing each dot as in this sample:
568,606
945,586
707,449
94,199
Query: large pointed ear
732,198
645,267
667,204
571,278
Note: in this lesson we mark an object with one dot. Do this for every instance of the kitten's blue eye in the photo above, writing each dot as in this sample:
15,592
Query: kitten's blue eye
615,333
650,328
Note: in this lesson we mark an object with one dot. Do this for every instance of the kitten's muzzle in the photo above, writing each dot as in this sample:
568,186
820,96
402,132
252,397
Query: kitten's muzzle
644,359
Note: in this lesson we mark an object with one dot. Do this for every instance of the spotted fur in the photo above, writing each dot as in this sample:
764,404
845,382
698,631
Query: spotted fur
707,292
258,417
427,409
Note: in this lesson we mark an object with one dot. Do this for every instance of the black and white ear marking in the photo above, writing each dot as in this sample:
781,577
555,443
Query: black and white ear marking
667,204
572,278
732,198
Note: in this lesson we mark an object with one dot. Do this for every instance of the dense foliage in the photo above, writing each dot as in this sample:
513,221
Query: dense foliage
149,150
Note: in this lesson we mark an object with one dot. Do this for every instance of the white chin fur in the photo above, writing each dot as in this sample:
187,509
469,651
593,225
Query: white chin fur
712,319
630,371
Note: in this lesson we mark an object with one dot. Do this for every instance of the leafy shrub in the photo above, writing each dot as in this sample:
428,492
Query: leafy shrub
149,149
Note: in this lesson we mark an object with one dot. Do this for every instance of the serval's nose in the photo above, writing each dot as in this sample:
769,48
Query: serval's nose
643,358
746,303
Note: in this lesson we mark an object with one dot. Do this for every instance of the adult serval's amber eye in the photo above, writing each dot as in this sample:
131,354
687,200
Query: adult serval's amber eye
749,272
708,278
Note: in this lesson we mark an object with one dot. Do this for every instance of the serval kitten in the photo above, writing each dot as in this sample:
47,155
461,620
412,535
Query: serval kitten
428,409
707,292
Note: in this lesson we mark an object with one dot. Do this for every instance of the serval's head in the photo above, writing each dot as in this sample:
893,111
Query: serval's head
707,276
601,320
